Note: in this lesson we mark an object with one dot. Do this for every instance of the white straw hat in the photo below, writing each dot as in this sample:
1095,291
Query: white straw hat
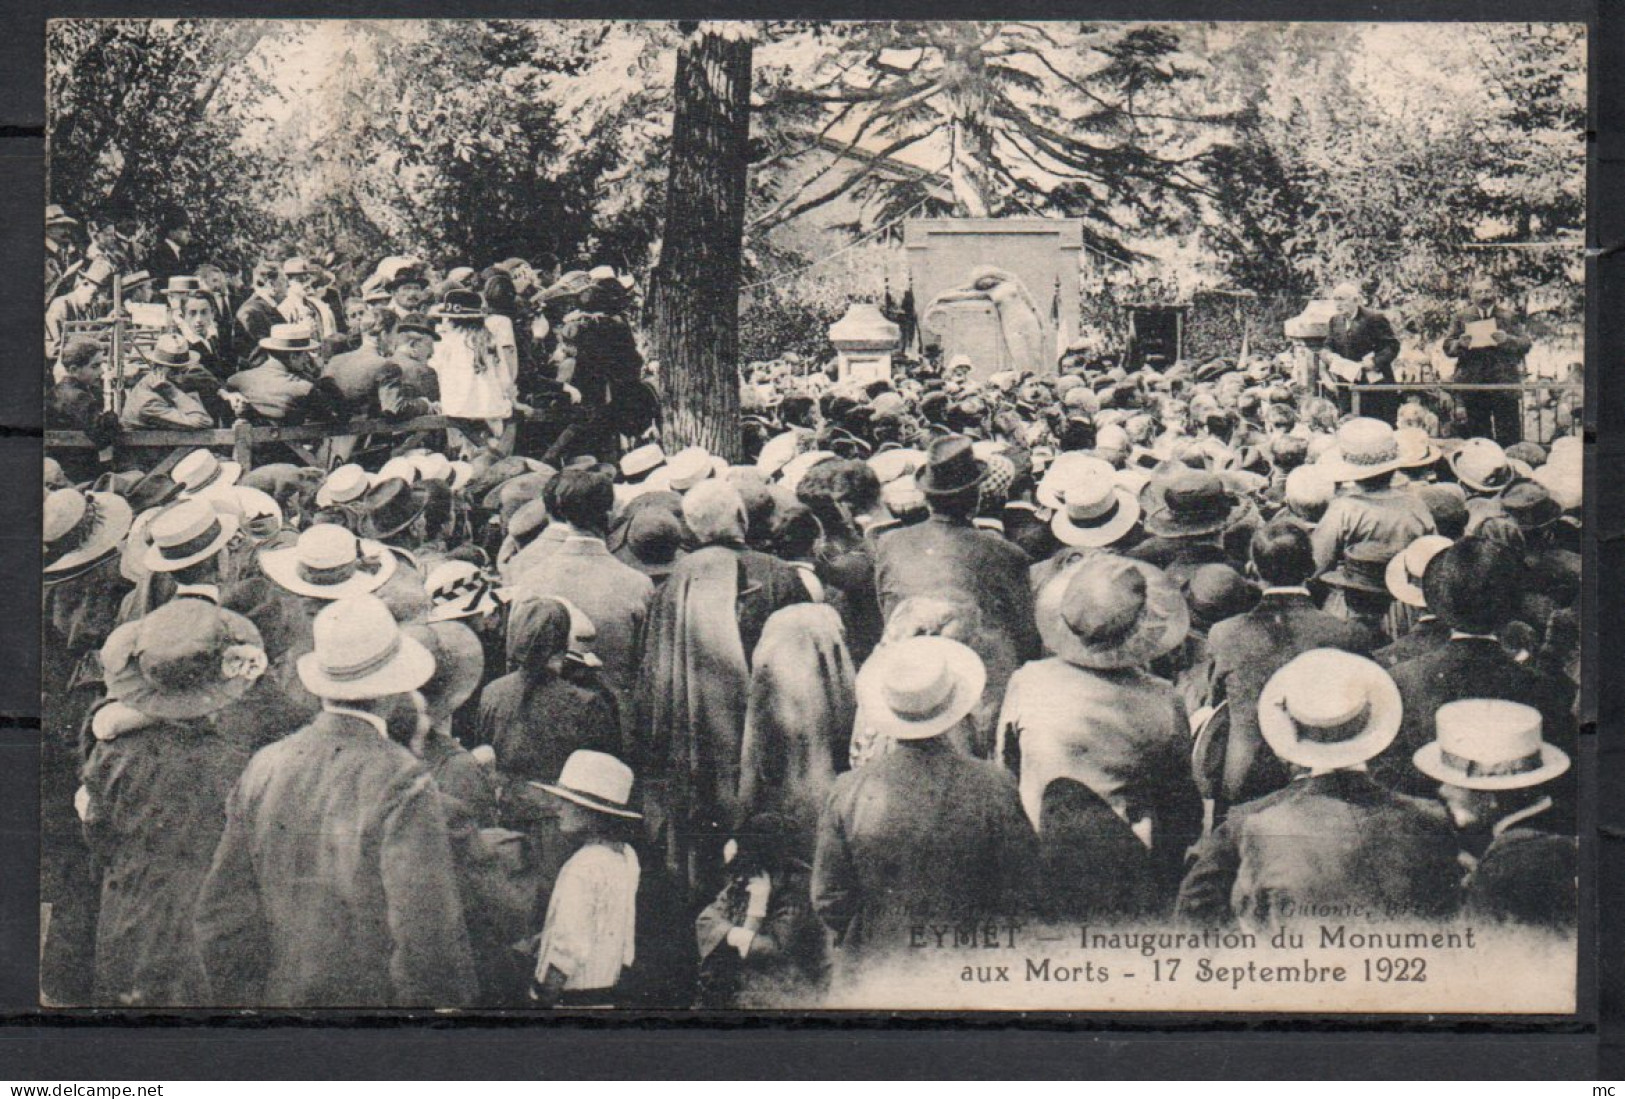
1327,708
1489,744
329,562
919,687
596,780
187,533
361,653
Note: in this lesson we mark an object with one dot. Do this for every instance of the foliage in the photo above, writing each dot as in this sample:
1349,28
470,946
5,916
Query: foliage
1079,120
145,117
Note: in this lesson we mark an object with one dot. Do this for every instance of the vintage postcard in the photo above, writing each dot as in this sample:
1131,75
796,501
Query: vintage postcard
925,516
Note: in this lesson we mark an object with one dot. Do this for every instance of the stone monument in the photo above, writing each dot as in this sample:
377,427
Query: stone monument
864,342
1002,292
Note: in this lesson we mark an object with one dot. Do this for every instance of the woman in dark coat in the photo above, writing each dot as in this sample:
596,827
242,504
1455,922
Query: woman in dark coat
702,628
156,783
534,717
798,719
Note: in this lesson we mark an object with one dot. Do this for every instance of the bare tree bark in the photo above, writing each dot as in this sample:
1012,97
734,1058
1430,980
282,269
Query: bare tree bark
695,291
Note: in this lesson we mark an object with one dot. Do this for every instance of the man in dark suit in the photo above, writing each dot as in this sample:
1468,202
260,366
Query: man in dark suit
615,596
1495,776
172,255
947,557
1248,649
1473,586
260,313
1358,332
1332,836
1490,415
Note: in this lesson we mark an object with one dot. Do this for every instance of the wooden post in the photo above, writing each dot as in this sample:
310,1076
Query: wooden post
115,397
242,444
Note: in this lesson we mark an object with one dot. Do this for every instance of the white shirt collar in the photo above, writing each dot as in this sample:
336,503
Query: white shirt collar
1463,635
1521,815
371,719
211,592
1289,589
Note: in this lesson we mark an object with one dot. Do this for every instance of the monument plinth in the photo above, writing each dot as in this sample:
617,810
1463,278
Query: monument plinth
864,342
1002,292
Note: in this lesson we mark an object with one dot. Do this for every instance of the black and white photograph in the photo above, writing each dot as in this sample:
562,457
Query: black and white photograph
592,517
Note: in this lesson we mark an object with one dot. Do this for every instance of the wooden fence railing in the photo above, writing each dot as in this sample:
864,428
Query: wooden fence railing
310,442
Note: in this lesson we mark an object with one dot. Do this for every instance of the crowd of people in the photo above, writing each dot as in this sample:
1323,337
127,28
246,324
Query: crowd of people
467,721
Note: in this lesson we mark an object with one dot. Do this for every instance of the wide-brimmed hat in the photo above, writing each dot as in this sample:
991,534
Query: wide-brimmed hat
82,528
459,665
186,533
1363,567
56,217
185,659
920,687
171,350
389,507
1106,611
1327,708
431,465
203,472
1406,568
1489,744
1531,506
460,589
596,780
460,305
329,562
361,653
1481,465
298,265
642,460
345,485
951,466
1194,503
1365,447
180,285
290,337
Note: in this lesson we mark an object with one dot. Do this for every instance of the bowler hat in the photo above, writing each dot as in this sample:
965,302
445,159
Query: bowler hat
418,323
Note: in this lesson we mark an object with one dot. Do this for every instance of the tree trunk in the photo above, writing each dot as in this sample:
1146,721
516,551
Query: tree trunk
695,291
